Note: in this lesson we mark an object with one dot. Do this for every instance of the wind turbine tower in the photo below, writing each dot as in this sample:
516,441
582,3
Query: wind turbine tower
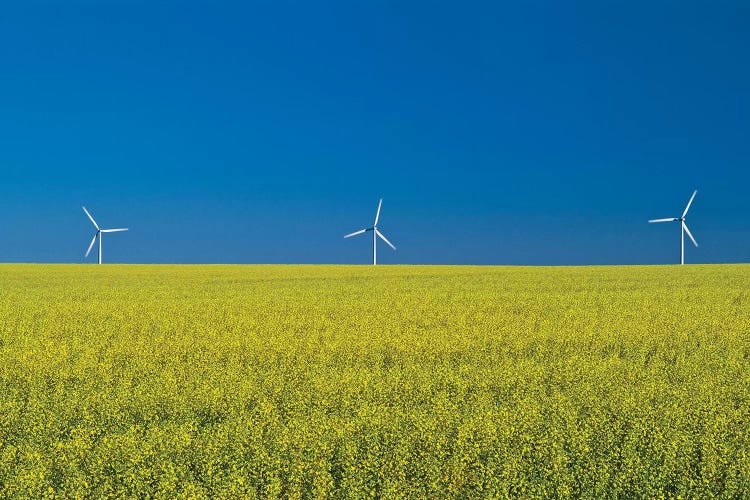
683,228
98,234
375,235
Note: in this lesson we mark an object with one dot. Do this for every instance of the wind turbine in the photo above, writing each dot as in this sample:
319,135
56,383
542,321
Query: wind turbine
683,228
375,235
99,232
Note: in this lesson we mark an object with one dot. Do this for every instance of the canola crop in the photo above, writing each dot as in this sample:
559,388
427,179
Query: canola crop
360,382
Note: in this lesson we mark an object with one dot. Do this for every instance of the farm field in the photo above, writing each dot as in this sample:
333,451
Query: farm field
354,381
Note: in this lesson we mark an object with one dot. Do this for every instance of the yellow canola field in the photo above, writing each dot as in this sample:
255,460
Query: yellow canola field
395,381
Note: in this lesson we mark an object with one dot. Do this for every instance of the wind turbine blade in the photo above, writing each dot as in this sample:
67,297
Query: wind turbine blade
92,219
689,203
384,239
663,220
114,230
684,226
91,245
355,233
377,215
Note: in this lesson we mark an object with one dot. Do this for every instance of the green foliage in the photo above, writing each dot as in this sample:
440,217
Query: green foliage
341,381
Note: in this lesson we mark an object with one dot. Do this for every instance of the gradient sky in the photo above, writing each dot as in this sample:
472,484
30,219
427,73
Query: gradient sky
497,133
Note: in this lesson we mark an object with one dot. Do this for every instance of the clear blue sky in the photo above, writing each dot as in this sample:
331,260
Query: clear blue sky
497,133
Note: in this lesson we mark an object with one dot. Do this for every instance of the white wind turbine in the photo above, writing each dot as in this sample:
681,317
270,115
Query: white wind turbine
375,235
98,234
683,228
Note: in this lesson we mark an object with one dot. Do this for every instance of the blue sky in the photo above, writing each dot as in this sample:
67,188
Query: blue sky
497,133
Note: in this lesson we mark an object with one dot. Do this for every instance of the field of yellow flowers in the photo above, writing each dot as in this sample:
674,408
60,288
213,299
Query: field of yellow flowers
347,381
